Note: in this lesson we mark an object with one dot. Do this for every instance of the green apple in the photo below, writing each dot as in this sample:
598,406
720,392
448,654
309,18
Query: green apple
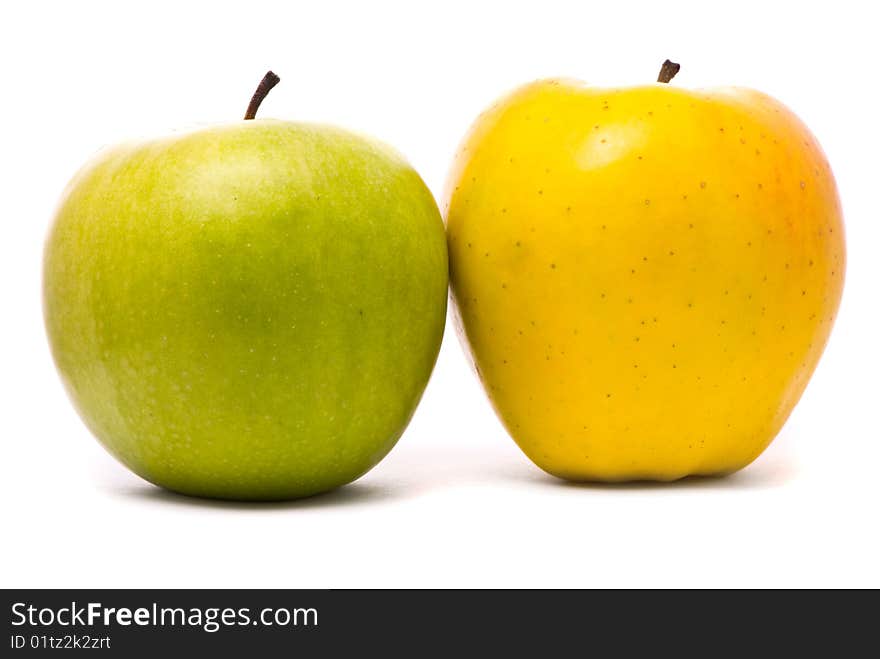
247,311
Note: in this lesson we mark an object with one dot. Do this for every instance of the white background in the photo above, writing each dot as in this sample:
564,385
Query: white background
455,503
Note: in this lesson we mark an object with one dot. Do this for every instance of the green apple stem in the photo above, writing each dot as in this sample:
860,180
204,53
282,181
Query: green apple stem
668,71
269,80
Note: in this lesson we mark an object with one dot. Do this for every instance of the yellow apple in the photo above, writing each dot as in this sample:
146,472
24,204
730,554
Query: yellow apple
645,277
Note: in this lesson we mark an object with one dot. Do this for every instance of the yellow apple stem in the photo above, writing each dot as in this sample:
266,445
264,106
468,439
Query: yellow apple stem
668,71
269,80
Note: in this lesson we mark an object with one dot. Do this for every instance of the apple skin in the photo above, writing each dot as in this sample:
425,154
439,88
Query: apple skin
646,277
249,311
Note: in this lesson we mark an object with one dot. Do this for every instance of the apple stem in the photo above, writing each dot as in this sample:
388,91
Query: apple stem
269,80
668,71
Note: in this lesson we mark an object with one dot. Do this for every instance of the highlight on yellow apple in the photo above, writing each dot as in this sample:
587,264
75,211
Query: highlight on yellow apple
645,277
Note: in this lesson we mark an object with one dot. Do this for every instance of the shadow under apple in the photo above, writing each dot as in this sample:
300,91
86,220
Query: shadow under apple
416,470
354,494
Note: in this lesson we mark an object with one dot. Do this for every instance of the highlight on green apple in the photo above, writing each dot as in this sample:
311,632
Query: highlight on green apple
250,310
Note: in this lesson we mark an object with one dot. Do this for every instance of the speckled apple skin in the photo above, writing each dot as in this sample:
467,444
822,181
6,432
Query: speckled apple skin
645,277
250,311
